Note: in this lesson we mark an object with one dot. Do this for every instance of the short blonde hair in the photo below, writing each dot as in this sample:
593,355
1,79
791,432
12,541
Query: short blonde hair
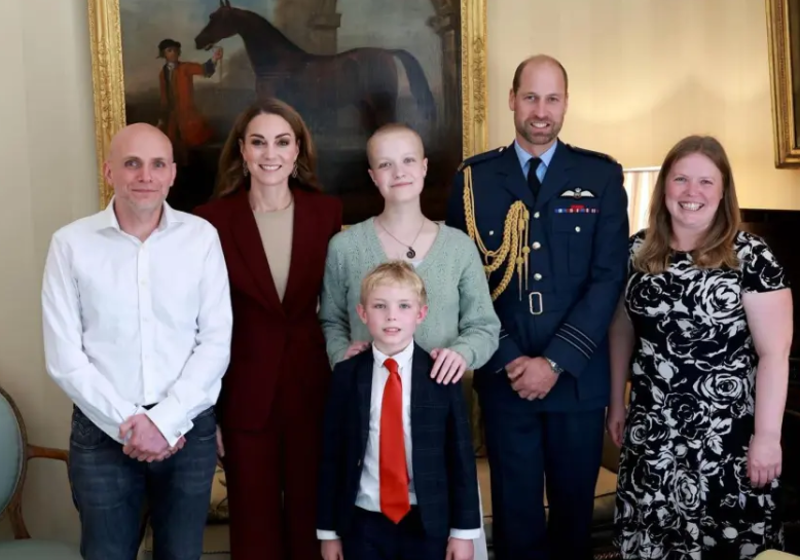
389,129
397,273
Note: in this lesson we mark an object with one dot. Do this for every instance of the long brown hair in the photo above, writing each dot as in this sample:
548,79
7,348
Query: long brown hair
716,248
231,177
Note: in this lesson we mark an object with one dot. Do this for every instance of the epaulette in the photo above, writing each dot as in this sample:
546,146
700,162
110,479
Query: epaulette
478,158
586,152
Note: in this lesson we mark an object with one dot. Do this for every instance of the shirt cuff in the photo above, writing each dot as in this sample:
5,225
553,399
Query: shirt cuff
465,534
170,420
327,535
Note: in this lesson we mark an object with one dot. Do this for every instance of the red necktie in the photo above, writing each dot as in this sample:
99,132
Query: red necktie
393,470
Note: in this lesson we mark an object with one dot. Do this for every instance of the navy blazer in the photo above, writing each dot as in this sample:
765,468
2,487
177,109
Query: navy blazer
577,248
443,461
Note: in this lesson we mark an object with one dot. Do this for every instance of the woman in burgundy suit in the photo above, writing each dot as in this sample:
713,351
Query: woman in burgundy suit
274,226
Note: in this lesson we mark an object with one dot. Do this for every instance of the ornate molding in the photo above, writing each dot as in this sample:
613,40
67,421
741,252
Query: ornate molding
107,76
787,152
473,76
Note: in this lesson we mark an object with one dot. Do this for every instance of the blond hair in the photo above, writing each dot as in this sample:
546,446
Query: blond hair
716,247
389,129
396,273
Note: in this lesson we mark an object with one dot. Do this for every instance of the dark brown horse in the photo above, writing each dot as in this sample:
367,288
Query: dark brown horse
318,84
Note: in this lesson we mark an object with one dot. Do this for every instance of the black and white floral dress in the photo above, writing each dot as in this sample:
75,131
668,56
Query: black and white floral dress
683,490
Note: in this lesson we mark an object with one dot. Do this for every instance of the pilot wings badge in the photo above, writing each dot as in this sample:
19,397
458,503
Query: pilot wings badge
577,193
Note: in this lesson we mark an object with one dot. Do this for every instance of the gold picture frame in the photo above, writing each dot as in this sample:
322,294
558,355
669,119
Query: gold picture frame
783,33
109,80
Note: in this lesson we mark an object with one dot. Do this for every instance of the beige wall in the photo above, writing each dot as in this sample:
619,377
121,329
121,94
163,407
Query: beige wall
47,162
643,73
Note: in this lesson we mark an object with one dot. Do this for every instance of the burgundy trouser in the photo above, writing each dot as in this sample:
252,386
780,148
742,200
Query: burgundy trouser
272,482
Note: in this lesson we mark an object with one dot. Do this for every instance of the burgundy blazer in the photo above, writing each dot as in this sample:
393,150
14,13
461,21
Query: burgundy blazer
273,338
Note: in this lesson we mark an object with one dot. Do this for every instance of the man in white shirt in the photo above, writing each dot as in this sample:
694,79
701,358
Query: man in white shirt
137,328
398,476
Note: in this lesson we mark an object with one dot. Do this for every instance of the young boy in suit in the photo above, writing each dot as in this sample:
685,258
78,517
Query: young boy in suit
397,478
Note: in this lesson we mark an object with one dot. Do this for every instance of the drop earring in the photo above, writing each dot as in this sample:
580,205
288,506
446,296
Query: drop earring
294,170
244,170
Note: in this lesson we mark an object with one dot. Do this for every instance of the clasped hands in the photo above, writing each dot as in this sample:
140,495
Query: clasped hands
531,378
144,441
448,365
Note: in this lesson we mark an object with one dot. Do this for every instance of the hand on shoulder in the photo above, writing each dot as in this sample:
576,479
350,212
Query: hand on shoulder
448,366
355,348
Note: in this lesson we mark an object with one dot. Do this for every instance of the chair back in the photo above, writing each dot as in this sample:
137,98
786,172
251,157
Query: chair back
13,445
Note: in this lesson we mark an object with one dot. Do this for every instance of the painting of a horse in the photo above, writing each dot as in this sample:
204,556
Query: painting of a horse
347,66
365,78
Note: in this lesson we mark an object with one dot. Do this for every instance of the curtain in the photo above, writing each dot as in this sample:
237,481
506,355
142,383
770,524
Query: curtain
639,183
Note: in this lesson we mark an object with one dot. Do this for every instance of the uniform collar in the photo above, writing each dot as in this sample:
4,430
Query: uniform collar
524,157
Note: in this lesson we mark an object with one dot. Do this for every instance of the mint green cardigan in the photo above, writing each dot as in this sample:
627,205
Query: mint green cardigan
460,316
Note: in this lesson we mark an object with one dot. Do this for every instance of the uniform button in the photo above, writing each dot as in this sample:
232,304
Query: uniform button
491,232
537,276
536,245
536,215
578,229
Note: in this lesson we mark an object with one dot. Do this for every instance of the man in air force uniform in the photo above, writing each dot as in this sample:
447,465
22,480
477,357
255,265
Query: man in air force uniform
550,221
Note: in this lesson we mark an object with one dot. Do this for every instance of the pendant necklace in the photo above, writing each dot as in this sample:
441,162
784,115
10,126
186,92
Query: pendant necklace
411,253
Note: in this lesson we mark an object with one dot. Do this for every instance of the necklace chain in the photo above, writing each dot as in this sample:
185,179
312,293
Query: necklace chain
411,253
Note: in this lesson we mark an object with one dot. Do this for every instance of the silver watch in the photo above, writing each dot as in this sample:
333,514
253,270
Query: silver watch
554,366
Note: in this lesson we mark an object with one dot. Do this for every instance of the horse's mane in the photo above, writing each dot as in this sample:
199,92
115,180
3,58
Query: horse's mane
254,19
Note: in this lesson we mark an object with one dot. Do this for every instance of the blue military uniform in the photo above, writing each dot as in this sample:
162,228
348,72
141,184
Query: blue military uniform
557,267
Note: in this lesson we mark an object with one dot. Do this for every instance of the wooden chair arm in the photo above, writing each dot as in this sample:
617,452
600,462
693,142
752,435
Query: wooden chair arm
18,527
36,452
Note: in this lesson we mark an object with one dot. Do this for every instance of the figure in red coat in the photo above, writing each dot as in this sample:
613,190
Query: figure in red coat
180,118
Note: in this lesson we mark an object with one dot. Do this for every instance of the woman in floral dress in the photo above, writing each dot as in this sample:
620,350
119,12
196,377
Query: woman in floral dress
707,319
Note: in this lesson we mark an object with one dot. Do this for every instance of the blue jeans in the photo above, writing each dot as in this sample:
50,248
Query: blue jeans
111,491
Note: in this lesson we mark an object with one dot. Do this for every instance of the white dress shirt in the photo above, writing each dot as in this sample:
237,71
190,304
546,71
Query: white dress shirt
130,323
368,496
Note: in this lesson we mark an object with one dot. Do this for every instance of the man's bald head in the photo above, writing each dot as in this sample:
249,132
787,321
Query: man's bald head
538,60
136,132
140,166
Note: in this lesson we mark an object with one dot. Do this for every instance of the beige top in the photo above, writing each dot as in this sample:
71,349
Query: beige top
276,236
